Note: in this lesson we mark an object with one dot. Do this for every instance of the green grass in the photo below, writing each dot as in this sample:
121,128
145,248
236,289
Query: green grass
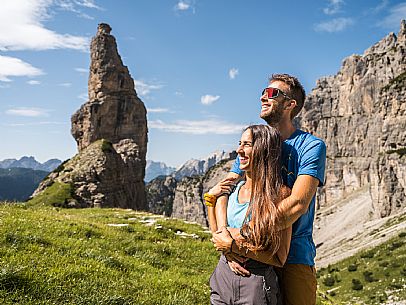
50,255
71,256
57,194
370,277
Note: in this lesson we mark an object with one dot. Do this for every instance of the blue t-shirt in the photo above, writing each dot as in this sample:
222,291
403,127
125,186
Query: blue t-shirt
236,211
302,154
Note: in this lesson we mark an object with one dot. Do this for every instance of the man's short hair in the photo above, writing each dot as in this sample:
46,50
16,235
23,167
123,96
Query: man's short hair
296,90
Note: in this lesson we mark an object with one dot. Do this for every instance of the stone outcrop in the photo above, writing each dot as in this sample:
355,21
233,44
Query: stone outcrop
195,167
111,134
361,114
188,203
160,194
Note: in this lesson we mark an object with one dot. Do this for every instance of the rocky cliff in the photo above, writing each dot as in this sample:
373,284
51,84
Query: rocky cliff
195,167
184,199
361,114
111,133
188,203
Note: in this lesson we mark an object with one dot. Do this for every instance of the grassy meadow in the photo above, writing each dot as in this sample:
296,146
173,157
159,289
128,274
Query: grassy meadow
52,255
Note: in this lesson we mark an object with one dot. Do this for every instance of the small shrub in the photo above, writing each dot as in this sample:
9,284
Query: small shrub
356,284
368,254
106,146
368,276
395,265
328,281
352,267
395,245
383,264
403,271
402,234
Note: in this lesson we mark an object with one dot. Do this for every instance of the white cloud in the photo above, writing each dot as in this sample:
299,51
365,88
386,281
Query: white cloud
81,70
157,110
232,73
396,14
187,5
182,6
143,88
21,28
197,127
67,85
33,82
27,112
209,99
34,124
335,25
333,7
11,66
83,96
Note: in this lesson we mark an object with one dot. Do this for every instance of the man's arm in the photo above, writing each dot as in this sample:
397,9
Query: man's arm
224,241
294,206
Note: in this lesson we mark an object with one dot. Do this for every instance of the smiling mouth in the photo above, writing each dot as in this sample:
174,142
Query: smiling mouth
243,160
265,107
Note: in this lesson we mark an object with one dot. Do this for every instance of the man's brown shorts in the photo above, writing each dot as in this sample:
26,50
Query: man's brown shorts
298,284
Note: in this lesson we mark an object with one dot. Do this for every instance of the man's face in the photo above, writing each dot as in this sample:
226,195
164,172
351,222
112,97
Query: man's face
272,109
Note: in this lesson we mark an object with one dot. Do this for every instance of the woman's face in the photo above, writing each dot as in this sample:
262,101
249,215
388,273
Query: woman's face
245,150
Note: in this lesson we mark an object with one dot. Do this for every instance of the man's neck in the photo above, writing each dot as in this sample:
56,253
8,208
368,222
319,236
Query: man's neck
286,128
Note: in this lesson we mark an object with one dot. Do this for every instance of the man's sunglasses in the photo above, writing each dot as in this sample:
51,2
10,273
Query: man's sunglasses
274,93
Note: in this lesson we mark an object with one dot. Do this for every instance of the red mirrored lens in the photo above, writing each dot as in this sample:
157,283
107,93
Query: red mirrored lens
271,92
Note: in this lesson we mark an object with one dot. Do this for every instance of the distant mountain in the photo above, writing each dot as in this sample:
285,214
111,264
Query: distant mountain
17,184
154,169
30,162
196,167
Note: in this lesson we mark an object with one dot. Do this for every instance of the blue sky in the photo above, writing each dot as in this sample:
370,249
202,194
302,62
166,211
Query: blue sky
199,66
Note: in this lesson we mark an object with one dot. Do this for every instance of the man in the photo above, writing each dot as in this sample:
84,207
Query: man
304,158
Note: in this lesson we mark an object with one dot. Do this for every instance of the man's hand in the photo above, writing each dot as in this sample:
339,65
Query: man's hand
234,262
222,240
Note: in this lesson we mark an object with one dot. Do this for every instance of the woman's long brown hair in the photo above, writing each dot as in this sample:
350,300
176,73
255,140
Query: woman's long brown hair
259,226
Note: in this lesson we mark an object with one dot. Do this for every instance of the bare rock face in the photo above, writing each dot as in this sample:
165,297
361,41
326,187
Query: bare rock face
111,133
160,194
361,114
188,203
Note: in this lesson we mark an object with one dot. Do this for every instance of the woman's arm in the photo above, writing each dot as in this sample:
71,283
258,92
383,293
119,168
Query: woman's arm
266,257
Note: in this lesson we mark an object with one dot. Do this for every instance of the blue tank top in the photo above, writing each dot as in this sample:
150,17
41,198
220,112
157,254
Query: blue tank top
236,211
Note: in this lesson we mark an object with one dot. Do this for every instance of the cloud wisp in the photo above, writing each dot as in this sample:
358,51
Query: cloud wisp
333,7
82,70
184,5
197,127
144,89
334,25
11,66
28,112
232,73
33,82
157,110
209,99
21,28
396,14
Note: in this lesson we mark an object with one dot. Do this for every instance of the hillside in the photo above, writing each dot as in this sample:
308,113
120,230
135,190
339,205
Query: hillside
17,184
116,256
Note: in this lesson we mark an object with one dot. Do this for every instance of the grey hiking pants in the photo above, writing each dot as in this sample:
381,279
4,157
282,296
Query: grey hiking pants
260,288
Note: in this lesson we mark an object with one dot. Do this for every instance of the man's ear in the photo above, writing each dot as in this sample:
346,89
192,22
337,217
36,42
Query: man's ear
291,104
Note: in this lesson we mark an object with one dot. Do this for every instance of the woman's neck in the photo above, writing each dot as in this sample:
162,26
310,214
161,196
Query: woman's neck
248,180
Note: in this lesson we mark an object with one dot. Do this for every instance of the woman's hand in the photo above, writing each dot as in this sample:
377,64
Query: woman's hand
223,187
222,240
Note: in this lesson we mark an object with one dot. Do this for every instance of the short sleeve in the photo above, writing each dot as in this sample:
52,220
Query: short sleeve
236,167
313,161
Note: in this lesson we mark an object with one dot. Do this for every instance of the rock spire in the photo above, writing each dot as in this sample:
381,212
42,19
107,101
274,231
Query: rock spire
111,134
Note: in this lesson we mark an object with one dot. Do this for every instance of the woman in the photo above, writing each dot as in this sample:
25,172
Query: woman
251,219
